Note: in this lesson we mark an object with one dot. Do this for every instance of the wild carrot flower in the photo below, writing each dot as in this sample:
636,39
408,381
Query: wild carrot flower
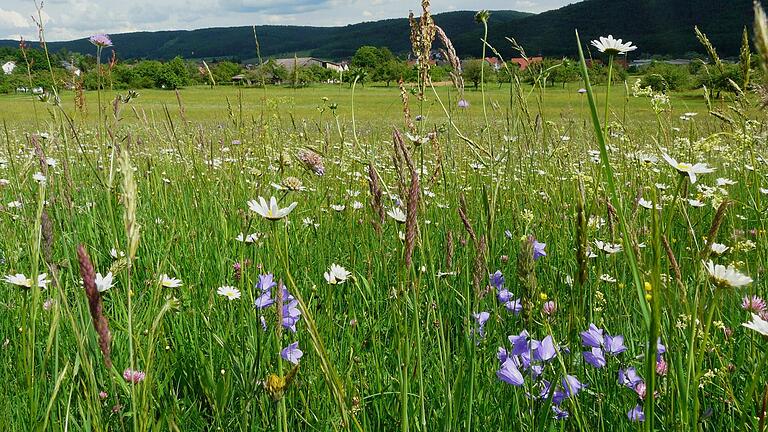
612,46
101,40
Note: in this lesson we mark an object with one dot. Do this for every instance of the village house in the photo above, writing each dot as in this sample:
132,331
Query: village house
288,63
8,67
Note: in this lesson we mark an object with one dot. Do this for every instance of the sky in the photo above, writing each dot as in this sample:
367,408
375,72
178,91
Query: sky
72,19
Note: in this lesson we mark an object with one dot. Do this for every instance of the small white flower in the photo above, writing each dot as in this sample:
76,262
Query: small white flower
757,324
609,248
726,277
114,253
309,222
357,205
647,204
719,248
338,207
725,182
250,238
169,282
4,182
609,45
39,177
336,275
695,203
20,280
104,283
14,204
397,214
229,292
688,169
270,211
51,162
607,278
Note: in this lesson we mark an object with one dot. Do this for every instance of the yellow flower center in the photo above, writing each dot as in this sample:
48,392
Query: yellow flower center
682,166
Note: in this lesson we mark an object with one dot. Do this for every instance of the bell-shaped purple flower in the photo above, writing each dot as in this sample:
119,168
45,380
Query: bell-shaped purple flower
519,343
595,357
538,250
593,337
614,345
515,306
629,377
497,280
292,353
510,374
544,350
636,414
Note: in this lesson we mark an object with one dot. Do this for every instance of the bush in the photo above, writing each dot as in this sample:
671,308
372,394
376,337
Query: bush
666,77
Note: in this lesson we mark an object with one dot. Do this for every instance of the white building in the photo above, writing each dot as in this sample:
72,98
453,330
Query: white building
8,67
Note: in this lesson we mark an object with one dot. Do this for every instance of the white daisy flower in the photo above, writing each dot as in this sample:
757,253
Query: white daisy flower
397,214
271,210
20,280
718,248
757,324
336,275
612,46
229,292
169,282
726,277
688,169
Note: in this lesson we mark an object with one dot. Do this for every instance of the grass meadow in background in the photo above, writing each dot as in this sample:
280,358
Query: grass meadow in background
440,269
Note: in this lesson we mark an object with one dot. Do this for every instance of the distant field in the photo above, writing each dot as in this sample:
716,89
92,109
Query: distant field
379,103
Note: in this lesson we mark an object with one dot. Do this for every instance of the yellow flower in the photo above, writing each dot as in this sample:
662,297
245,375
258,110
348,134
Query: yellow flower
543,296
648,287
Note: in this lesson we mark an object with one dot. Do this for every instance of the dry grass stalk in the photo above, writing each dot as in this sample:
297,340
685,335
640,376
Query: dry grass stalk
465,219
422,36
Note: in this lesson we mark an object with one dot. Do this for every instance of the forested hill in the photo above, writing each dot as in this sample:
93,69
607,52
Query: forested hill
656,26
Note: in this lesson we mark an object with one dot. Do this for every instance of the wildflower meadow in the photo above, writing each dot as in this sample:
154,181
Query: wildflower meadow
420,257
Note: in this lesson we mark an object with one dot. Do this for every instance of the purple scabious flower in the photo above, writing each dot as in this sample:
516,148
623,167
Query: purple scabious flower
538,250
101,40
497,280
463,103
292,353
636,414
509,373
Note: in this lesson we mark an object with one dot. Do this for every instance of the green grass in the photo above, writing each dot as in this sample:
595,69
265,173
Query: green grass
393,347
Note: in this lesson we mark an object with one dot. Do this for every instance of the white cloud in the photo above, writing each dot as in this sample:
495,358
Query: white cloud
13,19
71,19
